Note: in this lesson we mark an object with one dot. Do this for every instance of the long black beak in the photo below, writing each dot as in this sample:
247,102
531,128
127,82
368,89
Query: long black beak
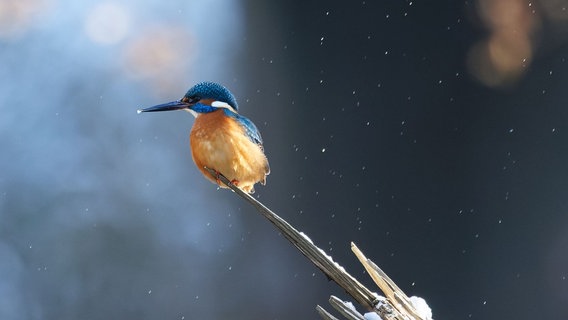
169,106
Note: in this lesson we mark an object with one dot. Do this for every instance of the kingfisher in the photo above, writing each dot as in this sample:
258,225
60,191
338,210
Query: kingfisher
221,139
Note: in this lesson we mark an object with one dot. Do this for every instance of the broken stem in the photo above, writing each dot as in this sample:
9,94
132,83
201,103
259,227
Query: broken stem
316,255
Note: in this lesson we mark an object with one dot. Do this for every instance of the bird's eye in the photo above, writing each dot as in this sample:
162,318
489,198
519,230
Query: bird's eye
192,99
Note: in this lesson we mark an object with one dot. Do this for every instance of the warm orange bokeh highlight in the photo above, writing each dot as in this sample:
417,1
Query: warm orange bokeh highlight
17,16
502,57
161,54
516,28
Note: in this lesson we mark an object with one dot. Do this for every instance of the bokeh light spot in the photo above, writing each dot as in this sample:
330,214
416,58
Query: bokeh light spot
161,54
502,57
108,23
16,17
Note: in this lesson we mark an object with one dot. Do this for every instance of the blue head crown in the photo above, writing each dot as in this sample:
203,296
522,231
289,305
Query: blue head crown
212,90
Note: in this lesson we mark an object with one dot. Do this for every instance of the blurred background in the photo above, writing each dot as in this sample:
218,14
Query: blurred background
432,134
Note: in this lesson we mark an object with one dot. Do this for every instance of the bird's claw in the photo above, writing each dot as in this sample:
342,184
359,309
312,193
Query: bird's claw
217,176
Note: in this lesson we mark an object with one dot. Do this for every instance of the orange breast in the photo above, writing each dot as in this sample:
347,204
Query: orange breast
220,143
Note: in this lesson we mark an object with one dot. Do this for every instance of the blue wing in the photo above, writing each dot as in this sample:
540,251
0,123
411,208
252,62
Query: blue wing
252,133
251,130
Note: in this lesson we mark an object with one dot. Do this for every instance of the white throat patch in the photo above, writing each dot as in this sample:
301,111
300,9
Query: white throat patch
192,112
220,104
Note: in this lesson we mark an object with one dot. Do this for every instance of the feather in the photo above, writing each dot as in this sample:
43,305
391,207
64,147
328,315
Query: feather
250,129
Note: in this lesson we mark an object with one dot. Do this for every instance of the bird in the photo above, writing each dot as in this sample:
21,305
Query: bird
221,139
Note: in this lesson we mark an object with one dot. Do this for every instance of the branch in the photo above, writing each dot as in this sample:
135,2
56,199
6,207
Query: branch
316,255
396,306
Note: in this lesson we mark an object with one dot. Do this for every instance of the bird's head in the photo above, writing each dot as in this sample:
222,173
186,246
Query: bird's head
203,97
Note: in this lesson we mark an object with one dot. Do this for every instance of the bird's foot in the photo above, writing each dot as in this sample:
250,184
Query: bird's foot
235,182
218,177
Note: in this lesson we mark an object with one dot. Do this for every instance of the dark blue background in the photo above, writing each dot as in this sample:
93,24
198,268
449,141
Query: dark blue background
376,128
